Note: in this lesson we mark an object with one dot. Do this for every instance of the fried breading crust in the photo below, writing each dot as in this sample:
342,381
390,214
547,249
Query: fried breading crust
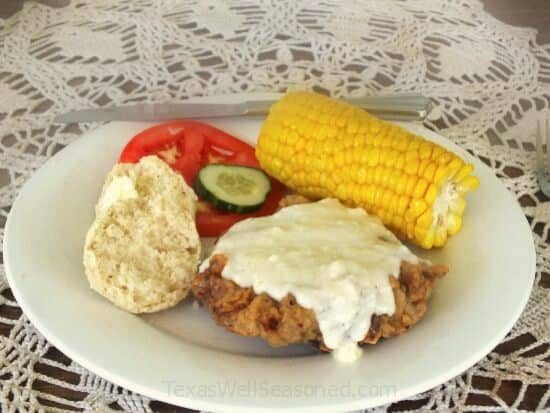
284,322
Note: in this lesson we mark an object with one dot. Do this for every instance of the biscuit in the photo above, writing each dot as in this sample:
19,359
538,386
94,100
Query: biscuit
142,250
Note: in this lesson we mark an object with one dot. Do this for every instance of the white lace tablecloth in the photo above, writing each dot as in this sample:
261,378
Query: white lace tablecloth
490,82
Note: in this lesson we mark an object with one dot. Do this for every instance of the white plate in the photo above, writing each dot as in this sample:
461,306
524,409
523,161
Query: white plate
180,356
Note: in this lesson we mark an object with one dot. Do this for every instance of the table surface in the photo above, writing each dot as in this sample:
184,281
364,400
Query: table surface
524,13
531,13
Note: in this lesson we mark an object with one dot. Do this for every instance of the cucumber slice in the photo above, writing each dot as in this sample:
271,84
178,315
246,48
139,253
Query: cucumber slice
232,188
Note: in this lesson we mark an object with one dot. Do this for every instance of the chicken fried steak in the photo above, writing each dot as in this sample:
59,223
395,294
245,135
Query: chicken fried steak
242,311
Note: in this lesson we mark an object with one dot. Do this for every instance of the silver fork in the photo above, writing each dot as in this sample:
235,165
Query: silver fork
543,156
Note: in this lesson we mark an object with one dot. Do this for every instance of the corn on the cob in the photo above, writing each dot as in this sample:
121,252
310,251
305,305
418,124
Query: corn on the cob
322,147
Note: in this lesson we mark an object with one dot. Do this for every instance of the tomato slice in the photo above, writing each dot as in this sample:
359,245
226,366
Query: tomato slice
178,143
189,145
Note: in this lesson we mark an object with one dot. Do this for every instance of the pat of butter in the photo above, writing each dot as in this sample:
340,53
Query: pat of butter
119,189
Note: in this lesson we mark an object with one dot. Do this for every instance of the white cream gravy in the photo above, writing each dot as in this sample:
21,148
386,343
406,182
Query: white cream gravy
335,260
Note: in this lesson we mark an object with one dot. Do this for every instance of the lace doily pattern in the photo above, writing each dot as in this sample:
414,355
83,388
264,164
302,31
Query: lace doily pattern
490,83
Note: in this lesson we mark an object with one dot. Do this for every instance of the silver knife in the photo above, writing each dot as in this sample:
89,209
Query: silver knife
407,107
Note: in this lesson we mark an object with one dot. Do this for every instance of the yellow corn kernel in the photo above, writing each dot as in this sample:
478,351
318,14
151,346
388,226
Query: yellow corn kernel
427,241
376,175
454,166
414,144
411,184
425,150
419,232
386,217
369,179
410,216
431,194
386,141
437,152
352,126
418,206
394,204
466,170
454,223
395,141
401,185
391,158
386,199
348,157
403,204
458,206
411,155
378,193
469,183
441,174
411,166
401,144
392,179
373,158
363,194
339,158
444,159
371,197
420,188
424,163
342,192
440,237
386,177
410,230
400,163
361,174
425,220
376,139
397,222
429,172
